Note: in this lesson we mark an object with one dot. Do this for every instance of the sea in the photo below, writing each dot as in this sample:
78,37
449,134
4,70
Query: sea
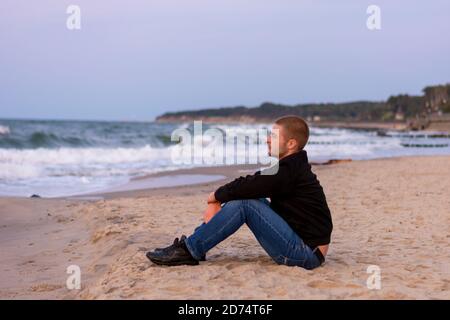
57,158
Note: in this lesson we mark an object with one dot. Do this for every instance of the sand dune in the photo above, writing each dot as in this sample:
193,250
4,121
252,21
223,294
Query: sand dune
393,213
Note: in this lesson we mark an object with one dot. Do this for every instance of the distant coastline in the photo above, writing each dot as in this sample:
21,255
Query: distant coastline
431,111
363,125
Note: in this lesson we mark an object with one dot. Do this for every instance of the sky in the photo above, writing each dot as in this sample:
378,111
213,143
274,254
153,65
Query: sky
134,60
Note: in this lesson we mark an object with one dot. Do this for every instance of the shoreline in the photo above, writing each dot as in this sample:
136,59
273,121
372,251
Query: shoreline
171,180
218,173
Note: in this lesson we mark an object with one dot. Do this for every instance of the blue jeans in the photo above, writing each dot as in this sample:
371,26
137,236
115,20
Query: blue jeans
272,232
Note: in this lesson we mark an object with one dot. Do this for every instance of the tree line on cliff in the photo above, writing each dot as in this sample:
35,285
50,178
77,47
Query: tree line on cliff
435,100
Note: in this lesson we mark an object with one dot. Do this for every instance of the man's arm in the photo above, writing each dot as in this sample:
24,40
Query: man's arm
255,186
212,198
211,210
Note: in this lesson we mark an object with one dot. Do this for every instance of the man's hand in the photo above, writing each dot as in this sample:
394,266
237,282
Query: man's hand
211,211
211,198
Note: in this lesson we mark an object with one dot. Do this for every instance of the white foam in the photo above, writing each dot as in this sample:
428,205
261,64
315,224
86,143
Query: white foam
66,156
4,130
11,171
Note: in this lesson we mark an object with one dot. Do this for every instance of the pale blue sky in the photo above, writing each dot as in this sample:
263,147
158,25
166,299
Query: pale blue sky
133,60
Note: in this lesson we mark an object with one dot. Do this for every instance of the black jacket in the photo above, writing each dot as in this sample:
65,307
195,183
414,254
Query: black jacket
295,193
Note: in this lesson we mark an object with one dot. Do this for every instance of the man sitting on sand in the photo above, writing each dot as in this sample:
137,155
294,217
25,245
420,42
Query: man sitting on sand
294,228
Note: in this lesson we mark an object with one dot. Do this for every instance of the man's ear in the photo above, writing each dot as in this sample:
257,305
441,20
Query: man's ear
292,144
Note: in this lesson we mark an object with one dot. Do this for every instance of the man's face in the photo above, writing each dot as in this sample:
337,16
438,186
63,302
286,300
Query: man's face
277,142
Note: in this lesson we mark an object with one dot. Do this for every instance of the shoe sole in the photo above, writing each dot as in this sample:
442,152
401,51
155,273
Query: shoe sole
173,263
161,249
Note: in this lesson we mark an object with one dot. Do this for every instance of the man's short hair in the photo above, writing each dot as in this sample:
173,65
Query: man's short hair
296,128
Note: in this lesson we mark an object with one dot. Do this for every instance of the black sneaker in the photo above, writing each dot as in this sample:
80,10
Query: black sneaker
174,255
175,243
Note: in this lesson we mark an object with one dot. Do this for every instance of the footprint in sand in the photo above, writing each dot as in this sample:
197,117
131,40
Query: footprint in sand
27,262
100,267
45,287
413,268
109,230
323,284
120,247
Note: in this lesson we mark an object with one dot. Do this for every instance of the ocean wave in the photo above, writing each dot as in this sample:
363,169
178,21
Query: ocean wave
165,140
89,162
41,139
15,134
81,156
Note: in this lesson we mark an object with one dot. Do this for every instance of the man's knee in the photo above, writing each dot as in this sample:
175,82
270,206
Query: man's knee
246,203
235,203
239,204
258,202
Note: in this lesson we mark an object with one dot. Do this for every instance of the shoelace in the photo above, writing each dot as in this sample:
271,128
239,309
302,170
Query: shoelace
176,243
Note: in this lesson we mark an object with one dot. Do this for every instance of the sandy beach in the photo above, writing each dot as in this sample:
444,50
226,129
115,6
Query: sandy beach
393,213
